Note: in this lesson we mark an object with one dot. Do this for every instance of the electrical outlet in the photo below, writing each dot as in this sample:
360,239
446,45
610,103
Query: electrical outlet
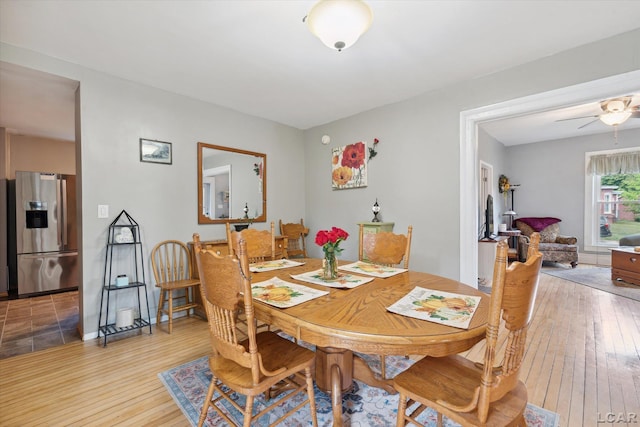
103,211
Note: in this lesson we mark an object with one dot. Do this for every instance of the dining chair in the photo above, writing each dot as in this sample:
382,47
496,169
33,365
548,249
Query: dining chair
261,244
249,367
473,394
385,247
171,265
296,233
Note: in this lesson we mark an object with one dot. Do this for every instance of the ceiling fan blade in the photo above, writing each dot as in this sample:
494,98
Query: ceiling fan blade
574,118
635,115
587,124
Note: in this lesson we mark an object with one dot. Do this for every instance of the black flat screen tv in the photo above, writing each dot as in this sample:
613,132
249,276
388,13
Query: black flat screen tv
488,218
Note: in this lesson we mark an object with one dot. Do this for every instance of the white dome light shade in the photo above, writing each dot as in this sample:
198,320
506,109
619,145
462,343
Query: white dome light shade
339,23
615,113
615,119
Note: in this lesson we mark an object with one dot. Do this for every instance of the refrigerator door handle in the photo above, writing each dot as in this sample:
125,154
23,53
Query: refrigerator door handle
58,211
63,212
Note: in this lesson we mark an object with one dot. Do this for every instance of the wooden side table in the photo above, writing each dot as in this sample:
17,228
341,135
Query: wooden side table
625,265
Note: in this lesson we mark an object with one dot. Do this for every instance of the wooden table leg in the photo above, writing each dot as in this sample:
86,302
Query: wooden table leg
334,375
335,370
326,357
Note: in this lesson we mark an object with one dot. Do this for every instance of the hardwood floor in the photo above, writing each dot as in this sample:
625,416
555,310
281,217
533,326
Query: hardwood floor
583,362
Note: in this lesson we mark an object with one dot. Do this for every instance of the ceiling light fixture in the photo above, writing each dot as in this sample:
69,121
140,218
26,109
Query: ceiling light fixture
615,113
339,23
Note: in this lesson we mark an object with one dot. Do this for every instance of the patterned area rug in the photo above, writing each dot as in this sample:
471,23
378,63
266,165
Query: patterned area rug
598,278
365,406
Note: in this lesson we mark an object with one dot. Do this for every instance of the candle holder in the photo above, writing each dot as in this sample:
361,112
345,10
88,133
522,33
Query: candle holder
376,210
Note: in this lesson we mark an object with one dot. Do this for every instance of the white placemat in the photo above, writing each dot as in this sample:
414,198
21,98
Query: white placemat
343,280
282,294
276,264
371,269
436,306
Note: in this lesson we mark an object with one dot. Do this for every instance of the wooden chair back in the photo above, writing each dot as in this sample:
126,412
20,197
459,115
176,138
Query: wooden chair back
259,364
385,248
512,300
478,394
295,233
261,244
222,280
534,244
170,261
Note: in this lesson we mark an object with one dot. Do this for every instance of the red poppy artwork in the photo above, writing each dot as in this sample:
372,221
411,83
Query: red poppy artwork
349,166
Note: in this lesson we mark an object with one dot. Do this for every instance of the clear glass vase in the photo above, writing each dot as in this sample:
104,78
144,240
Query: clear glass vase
329,266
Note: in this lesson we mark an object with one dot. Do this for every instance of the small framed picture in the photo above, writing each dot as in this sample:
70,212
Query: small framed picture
155,151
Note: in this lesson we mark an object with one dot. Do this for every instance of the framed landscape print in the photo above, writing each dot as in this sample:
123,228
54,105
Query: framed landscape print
349,166
155,151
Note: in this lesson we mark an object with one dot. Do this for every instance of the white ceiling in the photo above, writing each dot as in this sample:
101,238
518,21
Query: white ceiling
257,56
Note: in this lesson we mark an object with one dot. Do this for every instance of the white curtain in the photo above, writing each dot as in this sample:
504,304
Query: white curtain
614,163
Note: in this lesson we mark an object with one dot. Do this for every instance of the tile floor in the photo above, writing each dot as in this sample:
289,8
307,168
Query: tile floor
36,323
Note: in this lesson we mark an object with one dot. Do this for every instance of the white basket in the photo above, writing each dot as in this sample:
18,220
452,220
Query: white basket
124,317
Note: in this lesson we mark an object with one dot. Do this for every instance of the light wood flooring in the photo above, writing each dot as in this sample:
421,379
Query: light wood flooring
583,362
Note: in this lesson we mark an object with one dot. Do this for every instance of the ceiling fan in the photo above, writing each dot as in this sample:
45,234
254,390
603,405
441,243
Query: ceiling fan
615,111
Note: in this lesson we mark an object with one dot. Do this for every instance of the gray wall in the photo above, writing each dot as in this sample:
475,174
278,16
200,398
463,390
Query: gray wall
114,114
551,175
493,152
416,175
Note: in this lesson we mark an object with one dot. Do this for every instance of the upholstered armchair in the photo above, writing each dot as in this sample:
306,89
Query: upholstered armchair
553,246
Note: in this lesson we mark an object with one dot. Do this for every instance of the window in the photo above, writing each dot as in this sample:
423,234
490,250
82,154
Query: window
612,199
607,203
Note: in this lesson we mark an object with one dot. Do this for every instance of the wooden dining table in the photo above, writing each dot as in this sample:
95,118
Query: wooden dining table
357,320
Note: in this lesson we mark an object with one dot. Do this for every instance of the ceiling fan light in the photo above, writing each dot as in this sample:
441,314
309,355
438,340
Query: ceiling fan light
615,106
339,23
615,119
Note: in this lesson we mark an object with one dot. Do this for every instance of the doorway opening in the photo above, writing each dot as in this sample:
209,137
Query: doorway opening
469,121
41,132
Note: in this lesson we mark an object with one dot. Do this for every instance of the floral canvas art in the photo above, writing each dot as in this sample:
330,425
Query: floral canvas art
349,166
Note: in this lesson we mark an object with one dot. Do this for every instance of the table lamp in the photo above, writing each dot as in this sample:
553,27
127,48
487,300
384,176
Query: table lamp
376,210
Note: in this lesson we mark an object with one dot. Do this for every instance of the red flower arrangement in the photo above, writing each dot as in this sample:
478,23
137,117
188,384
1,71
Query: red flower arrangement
330,239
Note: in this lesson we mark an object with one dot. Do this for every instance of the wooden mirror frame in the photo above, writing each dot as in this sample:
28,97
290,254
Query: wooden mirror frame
203,219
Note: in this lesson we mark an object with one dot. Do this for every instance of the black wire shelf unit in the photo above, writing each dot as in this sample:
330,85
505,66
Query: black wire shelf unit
124,243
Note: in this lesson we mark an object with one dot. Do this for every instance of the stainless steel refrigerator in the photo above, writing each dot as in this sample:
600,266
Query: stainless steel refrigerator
42,233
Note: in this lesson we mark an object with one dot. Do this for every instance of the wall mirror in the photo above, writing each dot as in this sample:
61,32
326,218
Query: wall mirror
232,185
